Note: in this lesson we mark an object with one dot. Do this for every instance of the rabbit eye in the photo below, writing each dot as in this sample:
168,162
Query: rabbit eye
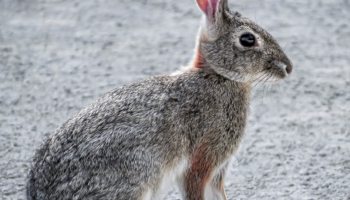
247,40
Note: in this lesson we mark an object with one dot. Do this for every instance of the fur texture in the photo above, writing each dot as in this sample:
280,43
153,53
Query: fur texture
188,125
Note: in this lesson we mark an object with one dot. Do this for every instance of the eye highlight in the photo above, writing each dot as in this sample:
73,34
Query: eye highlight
247,40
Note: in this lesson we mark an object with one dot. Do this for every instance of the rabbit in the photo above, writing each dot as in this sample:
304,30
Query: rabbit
182,129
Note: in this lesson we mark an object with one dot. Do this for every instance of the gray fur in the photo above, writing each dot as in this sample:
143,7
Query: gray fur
121,145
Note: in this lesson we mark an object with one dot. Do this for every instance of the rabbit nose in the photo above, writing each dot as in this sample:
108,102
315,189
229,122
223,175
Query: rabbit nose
289,67
284,65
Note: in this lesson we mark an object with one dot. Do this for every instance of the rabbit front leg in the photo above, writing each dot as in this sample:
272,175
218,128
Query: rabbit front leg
198,176
196,180
215,189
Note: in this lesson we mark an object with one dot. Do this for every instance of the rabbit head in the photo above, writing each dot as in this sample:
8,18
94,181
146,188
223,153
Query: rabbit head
237,48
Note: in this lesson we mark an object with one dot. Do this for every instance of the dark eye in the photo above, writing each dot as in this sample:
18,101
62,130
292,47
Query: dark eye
247,40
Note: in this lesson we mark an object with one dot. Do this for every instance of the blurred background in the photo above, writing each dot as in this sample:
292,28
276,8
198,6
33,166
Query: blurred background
57,56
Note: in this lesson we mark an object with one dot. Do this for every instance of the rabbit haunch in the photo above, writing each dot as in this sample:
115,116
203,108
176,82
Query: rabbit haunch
181,129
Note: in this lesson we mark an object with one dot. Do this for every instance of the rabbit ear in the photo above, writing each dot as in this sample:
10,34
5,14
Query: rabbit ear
212,9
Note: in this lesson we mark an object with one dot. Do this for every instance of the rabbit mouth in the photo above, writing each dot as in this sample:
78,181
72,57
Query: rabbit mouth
273,78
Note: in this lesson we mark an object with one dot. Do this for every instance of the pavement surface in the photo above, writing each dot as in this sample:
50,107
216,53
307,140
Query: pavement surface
57,56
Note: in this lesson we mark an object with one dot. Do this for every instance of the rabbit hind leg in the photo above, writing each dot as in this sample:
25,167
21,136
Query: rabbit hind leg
170,178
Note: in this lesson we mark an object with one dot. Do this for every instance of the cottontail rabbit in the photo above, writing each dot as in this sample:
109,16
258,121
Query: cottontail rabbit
181,129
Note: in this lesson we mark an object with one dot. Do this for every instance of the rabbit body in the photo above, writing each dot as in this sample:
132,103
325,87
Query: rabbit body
124,144
181,129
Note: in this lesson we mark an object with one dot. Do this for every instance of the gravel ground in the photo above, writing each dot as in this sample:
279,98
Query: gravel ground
56,56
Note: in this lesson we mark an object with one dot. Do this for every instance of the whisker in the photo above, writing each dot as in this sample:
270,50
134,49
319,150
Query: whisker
254,82
266,86
263,81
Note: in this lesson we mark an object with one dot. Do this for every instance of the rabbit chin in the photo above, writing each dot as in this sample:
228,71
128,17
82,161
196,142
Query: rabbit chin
264,77
273,79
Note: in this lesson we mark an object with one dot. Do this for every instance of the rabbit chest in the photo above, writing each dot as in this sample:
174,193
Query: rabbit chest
208,111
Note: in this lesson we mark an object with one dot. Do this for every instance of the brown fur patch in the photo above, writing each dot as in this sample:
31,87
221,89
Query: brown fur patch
198,61
199,173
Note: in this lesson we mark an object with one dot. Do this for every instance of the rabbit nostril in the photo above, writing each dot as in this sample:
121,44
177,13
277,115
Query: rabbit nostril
289,69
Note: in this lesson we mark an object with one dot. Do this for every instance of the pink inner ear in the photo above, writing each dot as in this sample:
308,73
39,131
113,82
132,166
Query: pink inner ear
207,6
